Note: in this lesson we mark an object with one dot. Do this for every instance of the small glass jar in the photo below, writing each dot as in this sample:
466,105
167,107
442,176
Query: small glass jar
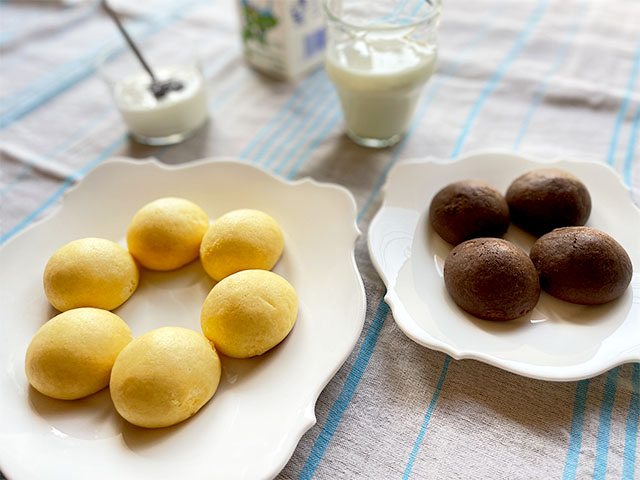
166,120
380,54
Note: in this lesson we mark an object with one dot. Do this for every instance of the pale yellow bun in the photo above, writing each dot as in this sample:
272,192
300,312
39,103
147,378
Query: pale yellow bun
90,272
241,240
72,354
249,312
166,233
164,377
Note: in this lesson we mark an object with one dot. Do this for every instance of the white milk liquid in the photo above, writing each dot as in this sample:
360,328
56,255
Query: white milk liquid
177,112
379,78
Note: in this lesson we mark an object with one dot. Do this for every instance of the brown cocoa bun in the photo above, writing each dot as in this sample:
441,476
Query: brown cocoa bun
581,265
491,279
548,198
468,209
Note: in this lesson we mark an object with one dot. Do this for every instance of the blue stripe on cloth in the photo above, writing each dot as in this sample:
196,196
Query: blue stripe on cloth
83,69
631,148
340,405
427,418
302,124
305,90
59,148
89,11
225,94
303,129
575,436
491,85
414,12
45,80
559,61
623,108
331,106
631,428
22,174
395,12
68,182
314,143
604,427
571,463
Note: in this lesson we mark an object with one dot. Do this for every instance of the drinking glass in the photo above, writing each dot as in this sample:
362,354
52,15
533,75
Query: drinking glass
380,54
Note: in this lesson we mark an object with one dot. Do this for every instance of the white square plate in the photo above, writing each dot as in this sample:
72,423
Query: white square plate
263,406
557,340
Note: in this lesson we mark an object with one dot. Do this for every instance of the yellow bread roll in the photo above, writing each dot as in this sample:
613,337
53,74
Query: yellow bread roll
72,354
90,272
249,312
241,240
164,377
166,233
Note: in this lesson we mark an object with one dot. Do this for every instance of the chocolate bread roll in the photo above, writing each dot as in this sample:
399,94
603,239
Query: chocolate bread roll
468,209
548,198
582,265
492,279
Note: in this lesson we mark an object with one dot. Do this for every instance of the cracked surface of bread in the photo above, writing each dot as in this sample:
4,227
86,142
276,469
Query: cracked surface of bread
548,198
468,209
582,265
241,240
164,377
249,313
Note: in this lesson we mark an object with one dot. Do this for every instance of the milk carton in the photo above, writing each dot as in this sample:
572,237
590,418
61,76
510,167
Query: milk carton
285,38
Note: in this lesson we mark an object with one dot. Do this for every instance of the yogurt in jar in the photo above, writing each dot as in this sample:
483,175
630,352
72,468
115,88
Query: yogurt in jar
167,119
379,76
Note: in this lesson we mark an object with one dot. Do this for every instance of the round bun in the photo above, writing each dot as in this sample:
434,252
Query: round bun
548,198
491,279
468,209
582,265
164,377
241,240
72,354
249,312
166,233
90,272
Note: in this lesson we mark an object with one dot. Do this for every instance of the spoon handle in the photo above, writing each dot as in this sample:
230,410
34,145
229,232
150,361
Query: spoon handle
107,8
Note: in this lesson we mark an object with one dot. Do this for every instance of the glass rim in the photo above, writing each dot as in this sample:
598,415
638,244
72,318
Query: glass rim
433,13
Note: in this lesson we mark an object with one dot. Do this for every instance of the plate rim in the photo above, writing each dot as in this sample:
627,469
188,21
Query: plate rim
423,337
305,417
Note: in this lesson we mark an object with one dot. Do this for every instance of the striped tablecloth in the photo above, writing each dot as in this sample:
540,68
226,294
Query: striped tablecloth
541,77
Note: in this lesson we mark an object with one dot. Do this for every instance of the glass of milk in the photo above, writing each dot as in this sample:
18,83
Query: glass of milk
380,54
169,119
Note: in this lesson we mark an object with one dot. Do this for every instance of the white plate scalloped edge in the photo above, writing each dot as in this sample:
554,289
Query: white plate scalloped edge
319,221
577,341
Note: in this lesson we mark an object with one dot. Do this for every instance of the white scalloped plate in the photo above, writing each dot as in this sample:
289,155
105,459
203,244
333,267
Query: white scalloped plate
558,341
263,406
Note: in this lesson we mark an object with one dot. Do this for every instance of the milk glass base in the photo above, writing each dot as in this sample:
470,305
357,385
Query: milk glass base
164,141
375,142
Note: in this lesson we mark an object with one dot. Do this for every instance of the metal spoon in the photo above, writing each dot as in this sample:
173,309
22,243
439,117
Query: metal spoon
159,88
